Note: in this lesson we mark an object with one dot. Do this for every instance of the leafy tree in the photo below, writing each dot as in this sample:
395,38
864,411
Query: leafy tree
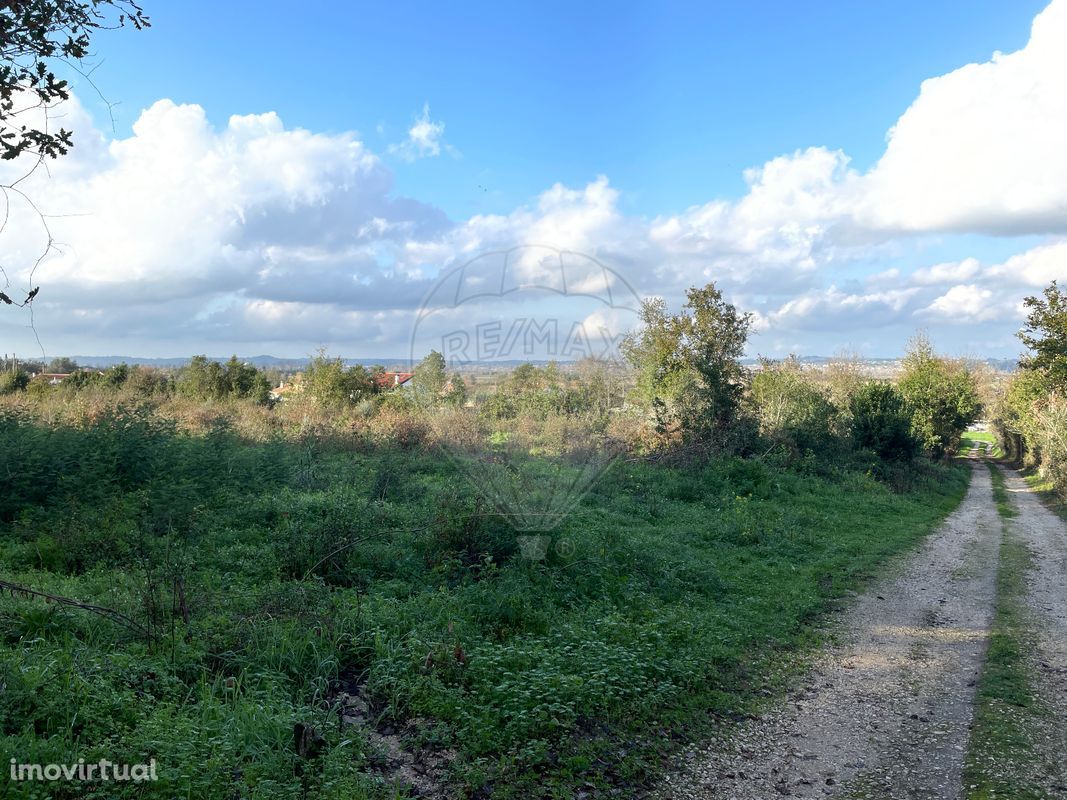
941,397
244,380
880,422
330,383
64,364
432,383
717,333
456,391
1015,418
688,364
201,378
35,37
11,382
116,375
205,378
1045,333
430,377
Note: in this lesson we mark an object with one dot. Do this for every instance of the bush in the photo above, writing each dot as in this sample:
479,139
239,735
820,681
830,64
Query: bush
941,397
792,409
205,379
687,365
880,422
330,383
11,382
1051,438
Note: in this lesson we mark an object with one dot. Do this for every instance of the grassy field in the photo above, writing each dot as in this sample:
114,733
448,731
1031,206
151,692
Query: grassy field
972,439
260,583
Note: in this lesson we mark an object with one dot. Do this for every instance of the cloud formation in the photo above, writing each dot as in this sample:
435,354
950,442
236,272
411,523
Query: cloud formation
255,236
424,139
981,148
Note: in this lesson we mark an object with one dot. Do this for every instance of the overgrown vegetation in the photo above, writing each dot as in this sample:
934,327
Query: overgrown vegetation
1030,419
228,574
268,573
940,396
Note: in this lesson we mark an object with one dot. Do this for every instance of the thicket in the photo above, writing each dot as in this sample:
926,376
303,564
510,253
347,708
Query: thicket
690,382
1030,418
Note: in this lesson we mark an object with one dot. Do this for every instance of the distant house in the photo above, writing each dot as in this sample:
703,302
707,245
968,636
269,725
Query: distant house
390,380
51,378
284,390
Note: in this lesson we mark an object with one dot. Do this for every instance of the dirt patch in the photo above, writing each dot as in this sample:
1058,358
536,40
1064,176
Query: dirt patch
885,711
421,771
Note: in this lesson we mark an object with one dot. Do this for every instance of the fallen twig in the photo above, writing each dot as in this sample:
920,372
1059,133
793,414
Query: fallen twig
109,613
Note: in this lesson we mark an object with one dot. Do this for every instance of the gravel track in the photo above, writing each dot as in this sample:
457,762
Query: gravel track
885,711
1045,535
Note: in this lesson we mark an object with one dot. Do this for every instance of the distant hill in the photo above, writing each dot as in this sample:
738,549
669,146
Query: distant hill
291,364
263,362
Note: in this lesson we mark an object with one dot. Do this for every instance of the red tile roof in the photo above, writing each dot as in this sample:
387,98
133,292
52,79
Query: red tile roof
386,380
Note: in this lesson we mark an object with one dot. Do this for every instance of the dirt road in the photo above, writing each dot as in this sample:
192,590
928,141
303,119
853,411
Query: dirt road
1045,535
885,711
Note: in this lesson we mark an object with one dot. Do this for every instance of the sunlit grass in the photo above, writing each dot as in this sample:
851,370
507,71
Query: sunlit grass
669,597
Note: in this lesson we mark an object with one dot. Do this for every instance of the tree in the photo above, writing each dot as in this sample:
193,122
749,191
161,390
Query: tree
330,383
116,375
201,378
941,397
430,377
1045,333
36,36
432,384
207,379
244,380
456,391
880,422
64,365
688,364
11,382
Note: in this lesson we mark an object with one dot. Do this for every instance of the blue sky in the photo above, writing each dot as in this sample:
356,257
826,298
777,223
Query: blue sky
289,178
671,100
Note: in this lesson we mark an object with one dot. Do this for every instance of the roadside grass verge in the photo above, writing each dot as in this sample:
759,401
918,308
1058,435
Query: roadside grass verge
1001,760
1045,490
271,575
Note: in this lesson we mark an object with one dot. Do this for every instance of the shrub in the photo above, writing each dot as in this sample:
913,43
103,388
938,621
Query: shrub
687,365
330,383
209,380
11,382
880,422
941,398
1050,421
792,409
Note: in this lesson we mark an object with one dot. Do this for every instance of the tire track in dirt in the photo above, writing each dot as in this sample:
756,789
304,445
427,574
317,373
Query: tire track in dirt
1045,535
885,711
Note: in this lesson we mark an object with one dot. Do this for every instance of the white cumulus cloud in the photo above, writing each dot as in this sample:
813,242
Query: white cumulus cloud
424,140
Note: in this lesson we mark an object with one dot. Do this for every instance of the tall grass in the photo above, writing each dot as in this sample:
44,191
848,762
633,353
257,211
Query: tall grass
278,555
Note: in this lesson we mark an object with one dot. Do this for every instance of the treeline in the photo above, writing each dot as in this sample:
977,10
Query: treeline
1030,416
682,392
691,383
202,379
327,381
